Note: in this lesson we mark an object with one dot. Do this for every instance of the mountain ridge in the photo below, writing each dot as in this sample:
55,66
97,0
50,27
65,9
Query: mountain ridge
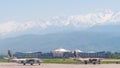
83,40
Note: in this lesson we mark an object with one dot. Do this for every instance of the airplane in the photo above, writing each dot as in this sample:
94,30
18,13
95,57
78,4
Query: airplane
86,60
23,61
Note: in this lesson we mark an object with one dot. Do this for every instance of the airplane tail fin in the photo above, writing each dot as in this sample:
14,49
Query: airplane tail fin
10,55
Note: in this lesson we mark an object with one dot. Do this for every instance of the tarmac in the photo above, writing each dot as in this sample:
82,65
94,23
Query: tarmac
15,65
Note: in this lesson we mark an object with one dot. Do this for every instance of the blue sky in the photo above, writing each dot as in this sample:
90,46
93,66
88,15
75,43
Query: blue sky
29,15
32,9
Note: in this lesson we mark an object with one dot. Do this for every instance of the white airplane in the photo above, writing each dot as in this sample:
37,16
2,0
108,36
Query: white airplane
23,61
86,60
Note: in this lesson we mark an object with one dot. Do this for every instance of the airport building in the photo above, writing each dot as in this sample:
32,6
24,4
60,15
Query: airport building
28,54
63,53
59,53
102,54
47,55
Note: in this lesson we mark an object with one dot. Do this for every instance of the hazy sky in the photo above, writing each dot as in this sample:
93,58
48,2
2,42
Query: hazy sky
25,15
35,9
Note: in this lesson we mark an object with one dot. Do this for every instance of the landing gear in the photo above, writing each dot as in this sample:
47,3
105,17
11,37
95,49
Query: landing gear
94,62
85,62
31,64
24,63
38,62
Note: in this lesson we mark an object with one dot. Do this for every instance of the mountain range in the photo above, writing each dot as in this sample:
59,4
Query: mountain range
103,38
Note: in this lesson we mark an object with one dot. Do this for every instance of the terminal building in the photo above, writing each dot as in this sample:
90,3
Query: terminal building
61,53
28,54
102,54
